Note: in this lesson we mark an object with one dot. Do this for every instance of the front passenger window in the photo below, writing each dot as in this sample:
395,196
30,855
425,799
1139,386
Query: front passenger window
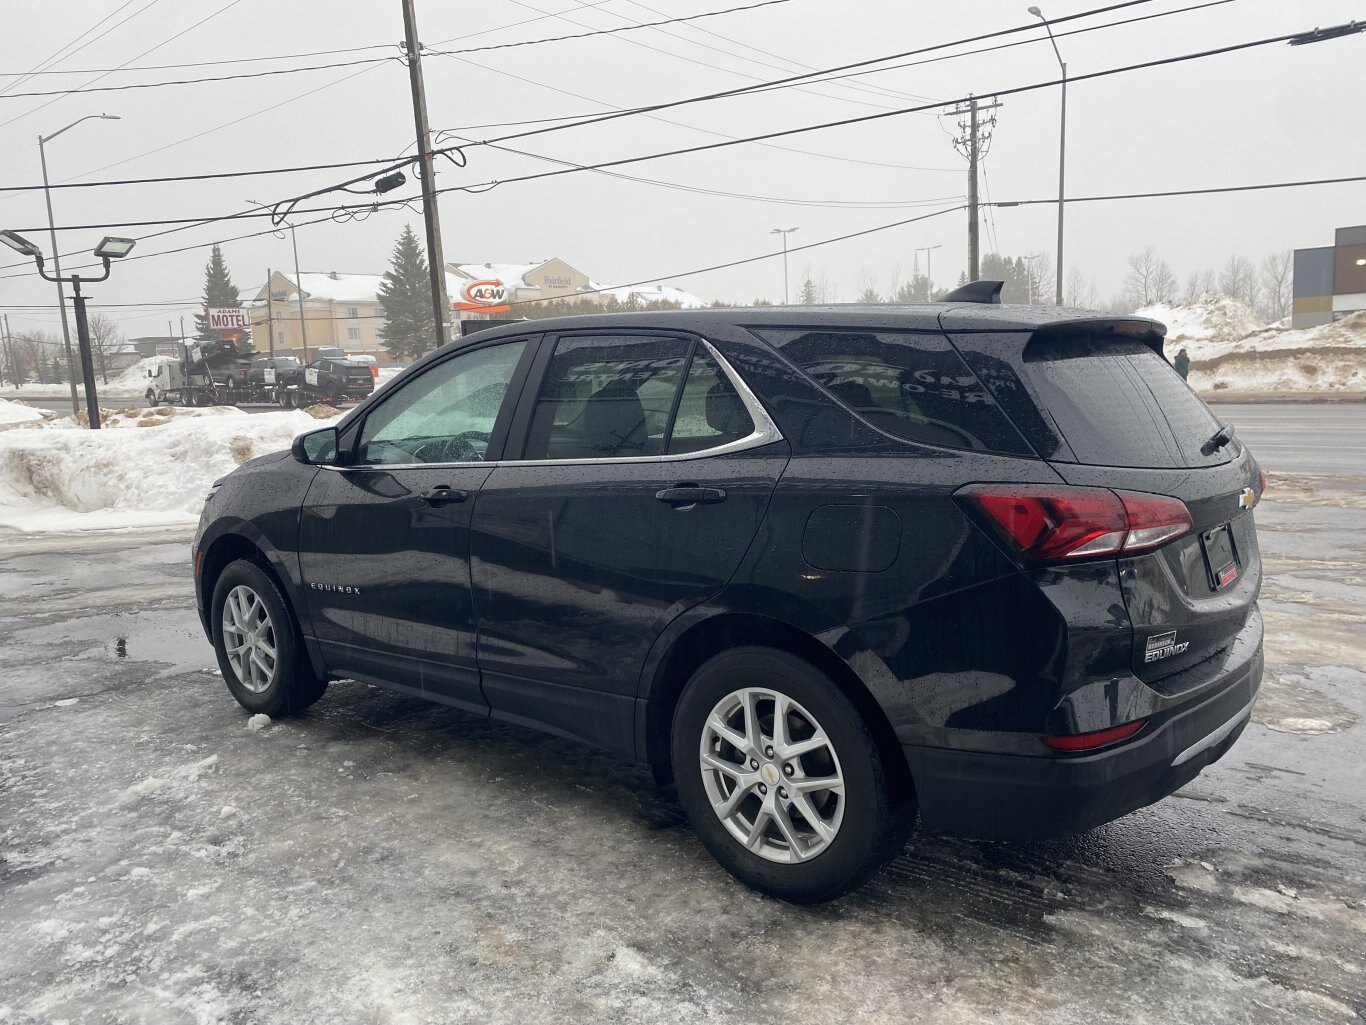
446,415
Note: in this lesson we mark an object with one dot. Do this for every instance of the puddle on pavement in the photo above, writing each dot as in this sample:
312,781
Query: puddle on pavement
171,636
1287,704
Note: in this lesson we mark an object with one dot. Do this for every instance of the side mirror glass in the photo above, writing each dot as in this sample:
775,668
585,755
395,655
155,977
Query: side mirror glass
316,446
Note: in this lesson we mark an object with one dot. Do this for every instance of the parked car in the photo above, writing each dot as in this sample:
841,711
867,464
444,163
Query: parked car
828,569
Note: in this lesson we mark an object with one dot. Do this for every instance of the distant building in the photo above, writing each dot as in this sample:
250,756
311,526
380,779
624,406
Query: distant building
339,310
1330,282
344,310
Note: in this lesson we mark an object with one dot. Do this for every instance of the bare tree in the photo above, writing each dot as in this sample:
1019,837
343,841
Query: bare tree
1150,279
105,340
1079,290
1199,284
867,283
1277,279
1039,271
1238,280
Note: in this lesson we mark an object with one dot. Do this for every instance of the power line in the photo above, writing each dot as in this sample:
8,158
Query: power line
158,46
355,63
765,86
1261,186
776,254
196,81
863,118
598,32
56,57
201,64
201,177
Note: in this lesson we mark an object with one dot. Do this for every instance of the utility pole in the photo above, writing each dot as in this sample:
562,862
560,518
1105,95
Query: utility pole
9,350
973,144
436,260
270,313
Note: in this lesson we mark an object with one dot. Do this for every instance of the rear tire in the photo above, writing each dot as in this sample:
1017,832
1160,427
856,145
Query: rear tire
795,807
260,652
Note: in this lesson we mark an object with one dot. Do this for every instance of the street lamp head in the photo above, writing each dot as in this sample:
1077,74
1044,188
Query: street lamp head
111,248
111,117
1036,12
19,244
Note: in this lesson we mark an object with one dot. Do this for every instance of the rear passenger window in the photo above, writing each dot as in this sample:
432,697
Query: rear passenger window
607,397
909,384
614,397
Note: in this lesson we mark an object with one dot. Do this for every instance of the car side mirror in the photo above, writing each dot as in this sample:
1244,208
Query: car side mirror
316,447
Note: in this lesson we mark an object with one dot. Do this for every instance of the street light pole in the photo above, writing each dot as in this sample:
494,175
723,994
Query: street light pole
784,232
56,257
929,277
1062,149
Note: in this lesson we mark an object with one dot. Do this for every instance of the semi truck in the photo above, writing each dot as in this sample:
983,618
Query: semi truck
224,373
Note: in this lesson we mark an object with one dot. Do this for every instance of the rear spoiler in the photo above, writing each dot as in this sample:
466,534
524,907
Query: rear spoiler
1150,332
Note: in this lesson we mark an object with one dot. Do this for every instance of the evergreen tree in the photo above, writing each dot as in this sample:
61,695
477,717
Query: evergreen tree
406,295
807,297
219,291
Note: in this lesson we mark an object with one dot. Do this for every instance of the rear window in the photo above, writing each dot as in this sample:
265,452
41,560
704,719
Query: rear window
910,384
1118,403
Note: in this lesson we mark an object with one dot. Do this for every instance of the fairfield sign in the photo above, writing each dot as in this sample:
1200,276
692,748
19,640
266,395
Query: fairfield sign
487,296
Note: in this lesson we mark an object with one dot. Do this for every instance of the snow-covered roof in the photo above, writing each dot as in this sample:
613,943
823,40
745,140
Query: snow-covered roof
652,294
513,275
342,288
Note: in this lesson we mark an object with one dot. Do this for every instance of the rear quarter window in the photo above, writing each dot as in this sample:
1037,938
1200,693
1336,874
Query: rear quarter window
913,385
1118,403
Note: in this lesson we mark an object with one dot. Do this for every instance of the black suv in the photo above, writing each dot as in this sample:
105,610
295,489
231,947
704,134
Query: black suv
823,567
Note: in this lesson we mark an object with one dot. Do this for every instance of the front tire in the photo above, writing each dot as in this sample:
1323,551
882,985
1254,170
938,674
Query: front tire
258,646
781,777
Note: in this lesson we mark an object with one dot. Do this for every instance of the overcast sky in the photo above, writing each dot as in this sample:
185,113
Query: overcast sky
1267,114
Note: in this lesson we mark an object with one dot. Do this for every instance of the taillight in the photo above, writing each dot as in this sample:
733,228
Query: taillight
1045,523
1261,483
1096,739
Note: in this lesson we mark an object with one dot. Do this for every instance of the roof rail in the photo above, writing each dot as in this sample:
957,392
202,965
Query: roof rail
976,292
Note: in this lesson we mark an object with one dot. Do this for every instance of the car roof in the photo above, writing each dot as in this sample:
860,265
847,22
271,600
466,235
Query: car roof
958,316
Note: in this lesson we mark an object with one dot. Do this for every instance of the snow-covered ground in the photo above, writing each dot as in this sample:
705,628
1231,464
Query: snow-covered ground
145,467
166,860
1232,349
126,384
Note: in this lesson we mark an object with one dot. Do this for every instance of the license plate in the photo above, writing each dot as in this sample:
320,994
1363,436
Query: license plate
1219,556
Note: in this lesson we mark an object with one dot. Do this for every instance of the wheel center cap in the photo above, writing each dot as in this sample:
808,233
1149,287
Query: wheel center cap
770,773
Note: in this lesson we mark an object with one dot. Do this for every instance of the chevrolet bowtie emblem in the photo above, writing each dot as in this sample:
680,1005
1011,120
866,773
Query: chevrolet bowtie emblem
1247,499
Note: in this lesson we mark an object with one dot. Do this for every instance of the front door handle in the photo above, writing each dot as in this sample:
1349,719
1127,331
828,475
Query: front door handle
690,494
443,494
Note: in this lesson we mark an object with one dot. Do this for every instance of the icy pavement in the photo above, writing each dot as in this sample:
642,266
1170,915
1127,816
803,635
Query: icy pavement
165,859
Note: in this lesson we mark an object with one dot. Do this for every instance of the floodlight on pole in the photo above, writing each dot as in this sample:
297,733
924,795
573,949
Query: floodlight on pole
1062,149
784,232
114,248
20,245
111,248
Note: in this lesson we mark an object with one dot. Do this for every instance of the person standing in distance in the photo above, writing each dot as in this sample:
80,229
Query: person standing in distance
1182,363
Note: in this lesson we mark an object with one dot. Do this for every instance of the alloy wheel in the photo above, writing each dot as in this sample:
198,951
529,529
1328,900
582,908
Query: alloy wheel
249,639
772,775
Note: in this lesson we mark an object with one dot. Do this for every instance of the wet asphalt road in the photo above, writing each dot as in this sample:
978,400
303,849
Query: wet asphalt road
1326,438
382,860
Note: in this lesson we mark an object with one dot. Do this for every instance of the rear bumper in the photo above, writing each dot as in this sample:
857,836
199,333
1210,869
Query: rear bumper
1015,797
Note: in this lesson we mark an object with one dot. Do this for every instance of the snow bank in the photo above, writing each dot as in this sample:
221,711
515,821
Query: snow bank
1213,318
1231,349
147,468
12,413
125,384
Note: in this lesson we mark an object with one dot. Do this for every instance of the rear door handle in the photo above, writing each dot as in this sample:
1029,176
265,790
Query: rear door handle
444,495
690,495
